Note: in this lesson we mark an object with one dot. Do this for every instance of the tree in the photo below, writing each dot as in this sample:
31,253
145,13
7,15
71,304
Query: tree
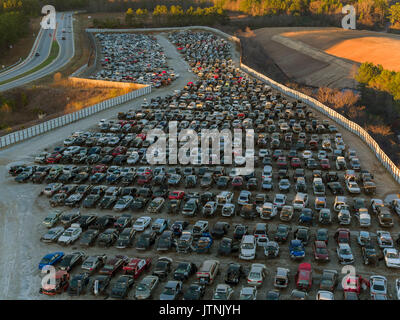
394,13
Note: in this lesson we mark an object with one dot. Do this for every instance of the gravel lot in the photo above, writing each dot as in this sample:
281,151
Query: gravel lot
21,218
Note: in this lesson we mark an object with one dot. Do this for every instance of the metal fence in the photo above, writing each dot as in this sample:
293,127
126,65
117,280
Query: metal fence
69,118
332,114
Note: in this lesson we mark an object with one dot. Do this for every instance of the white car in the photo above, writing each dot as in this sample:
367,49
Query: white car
248,293
324,295
209,208
223,292
396,205
141,223
378,287
267,211
392,258
70,235
364,218
40,158
322,154
352,187
267,172
384,239
263,153
257,274
307,154
248,247
279,200
244,197
127,170
344,253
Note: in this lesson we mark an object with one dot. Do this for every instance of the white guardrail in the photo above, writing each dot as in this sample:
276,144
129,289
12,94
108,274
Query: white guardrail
49,125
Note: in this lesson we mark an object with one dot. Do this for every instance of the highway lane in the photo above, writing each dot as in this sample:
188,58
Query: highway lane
43,47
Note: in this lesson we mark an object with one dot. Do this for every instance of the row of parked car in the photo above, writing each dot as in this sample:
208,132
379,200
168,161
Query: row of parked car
133,57
206,274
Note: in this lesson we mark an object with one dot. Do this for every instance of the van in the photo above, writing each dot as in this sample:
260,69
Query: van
208,271
339,202
300,201
248,247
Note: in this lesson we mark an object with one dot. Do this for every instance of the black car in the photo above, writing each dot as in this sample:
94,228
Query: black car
81,177
162,267
336,188
99,284
98,177
174,205
165,241
227,246
16,170
194,292
178,226
369,254
78,284
107,202
282,233
40,174
146,240
219,229
128,179
184,271
71,260
160,192
89,237
121,288
86,220
91,200
125,238
103,222
139,203
240,231
223,182
234,273
108,237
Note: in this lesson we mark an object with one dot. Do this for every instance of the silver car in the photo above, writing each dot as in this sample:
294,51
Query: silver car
146,287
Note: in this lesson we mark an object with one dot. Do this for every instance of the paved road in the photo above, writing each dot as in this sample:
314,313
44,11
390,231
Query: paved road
42,46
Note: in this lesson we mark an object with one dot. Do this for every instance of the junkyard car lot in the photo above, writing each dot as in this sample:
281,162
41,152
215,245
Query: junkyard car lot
134,58
271,264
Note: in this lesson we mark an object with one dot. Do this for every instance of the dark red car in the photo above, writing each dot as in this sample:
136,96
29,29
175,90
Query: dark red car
295,162
325,165
136,266
320,250
237,182
342,235
144,179
282,162
112,265
119,150
303,277
176,194
54,158
101,168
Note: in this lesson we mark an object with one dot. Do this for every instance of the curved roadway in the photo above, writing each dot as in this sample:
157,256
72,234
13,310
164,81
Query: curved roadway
42,46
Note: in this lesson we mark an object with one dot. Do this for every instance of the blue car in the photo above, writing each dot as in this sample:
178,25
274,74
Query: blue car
204,243
296,249
306,216
50,259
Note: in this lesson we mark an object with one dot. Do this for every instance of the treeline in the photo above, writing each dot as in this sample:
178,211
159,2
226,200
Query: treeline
376,77
175,16
370,13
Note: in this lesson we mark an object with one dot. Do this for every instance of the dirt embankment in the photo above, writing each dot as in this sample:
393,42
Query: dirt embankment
24,107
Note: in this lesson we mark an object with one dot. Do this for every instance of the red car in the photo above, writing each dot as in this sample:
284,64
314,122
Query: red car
303,277
136,266
353,284
144,179
101,168
295,162
282,162
119,150
61,285
112,265
141,136
342,235
320,250
325,165
54,158
237,182
177,194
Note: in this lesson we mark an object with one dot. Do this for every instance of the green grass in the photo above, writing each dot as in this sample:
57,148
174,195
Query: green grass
55,48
